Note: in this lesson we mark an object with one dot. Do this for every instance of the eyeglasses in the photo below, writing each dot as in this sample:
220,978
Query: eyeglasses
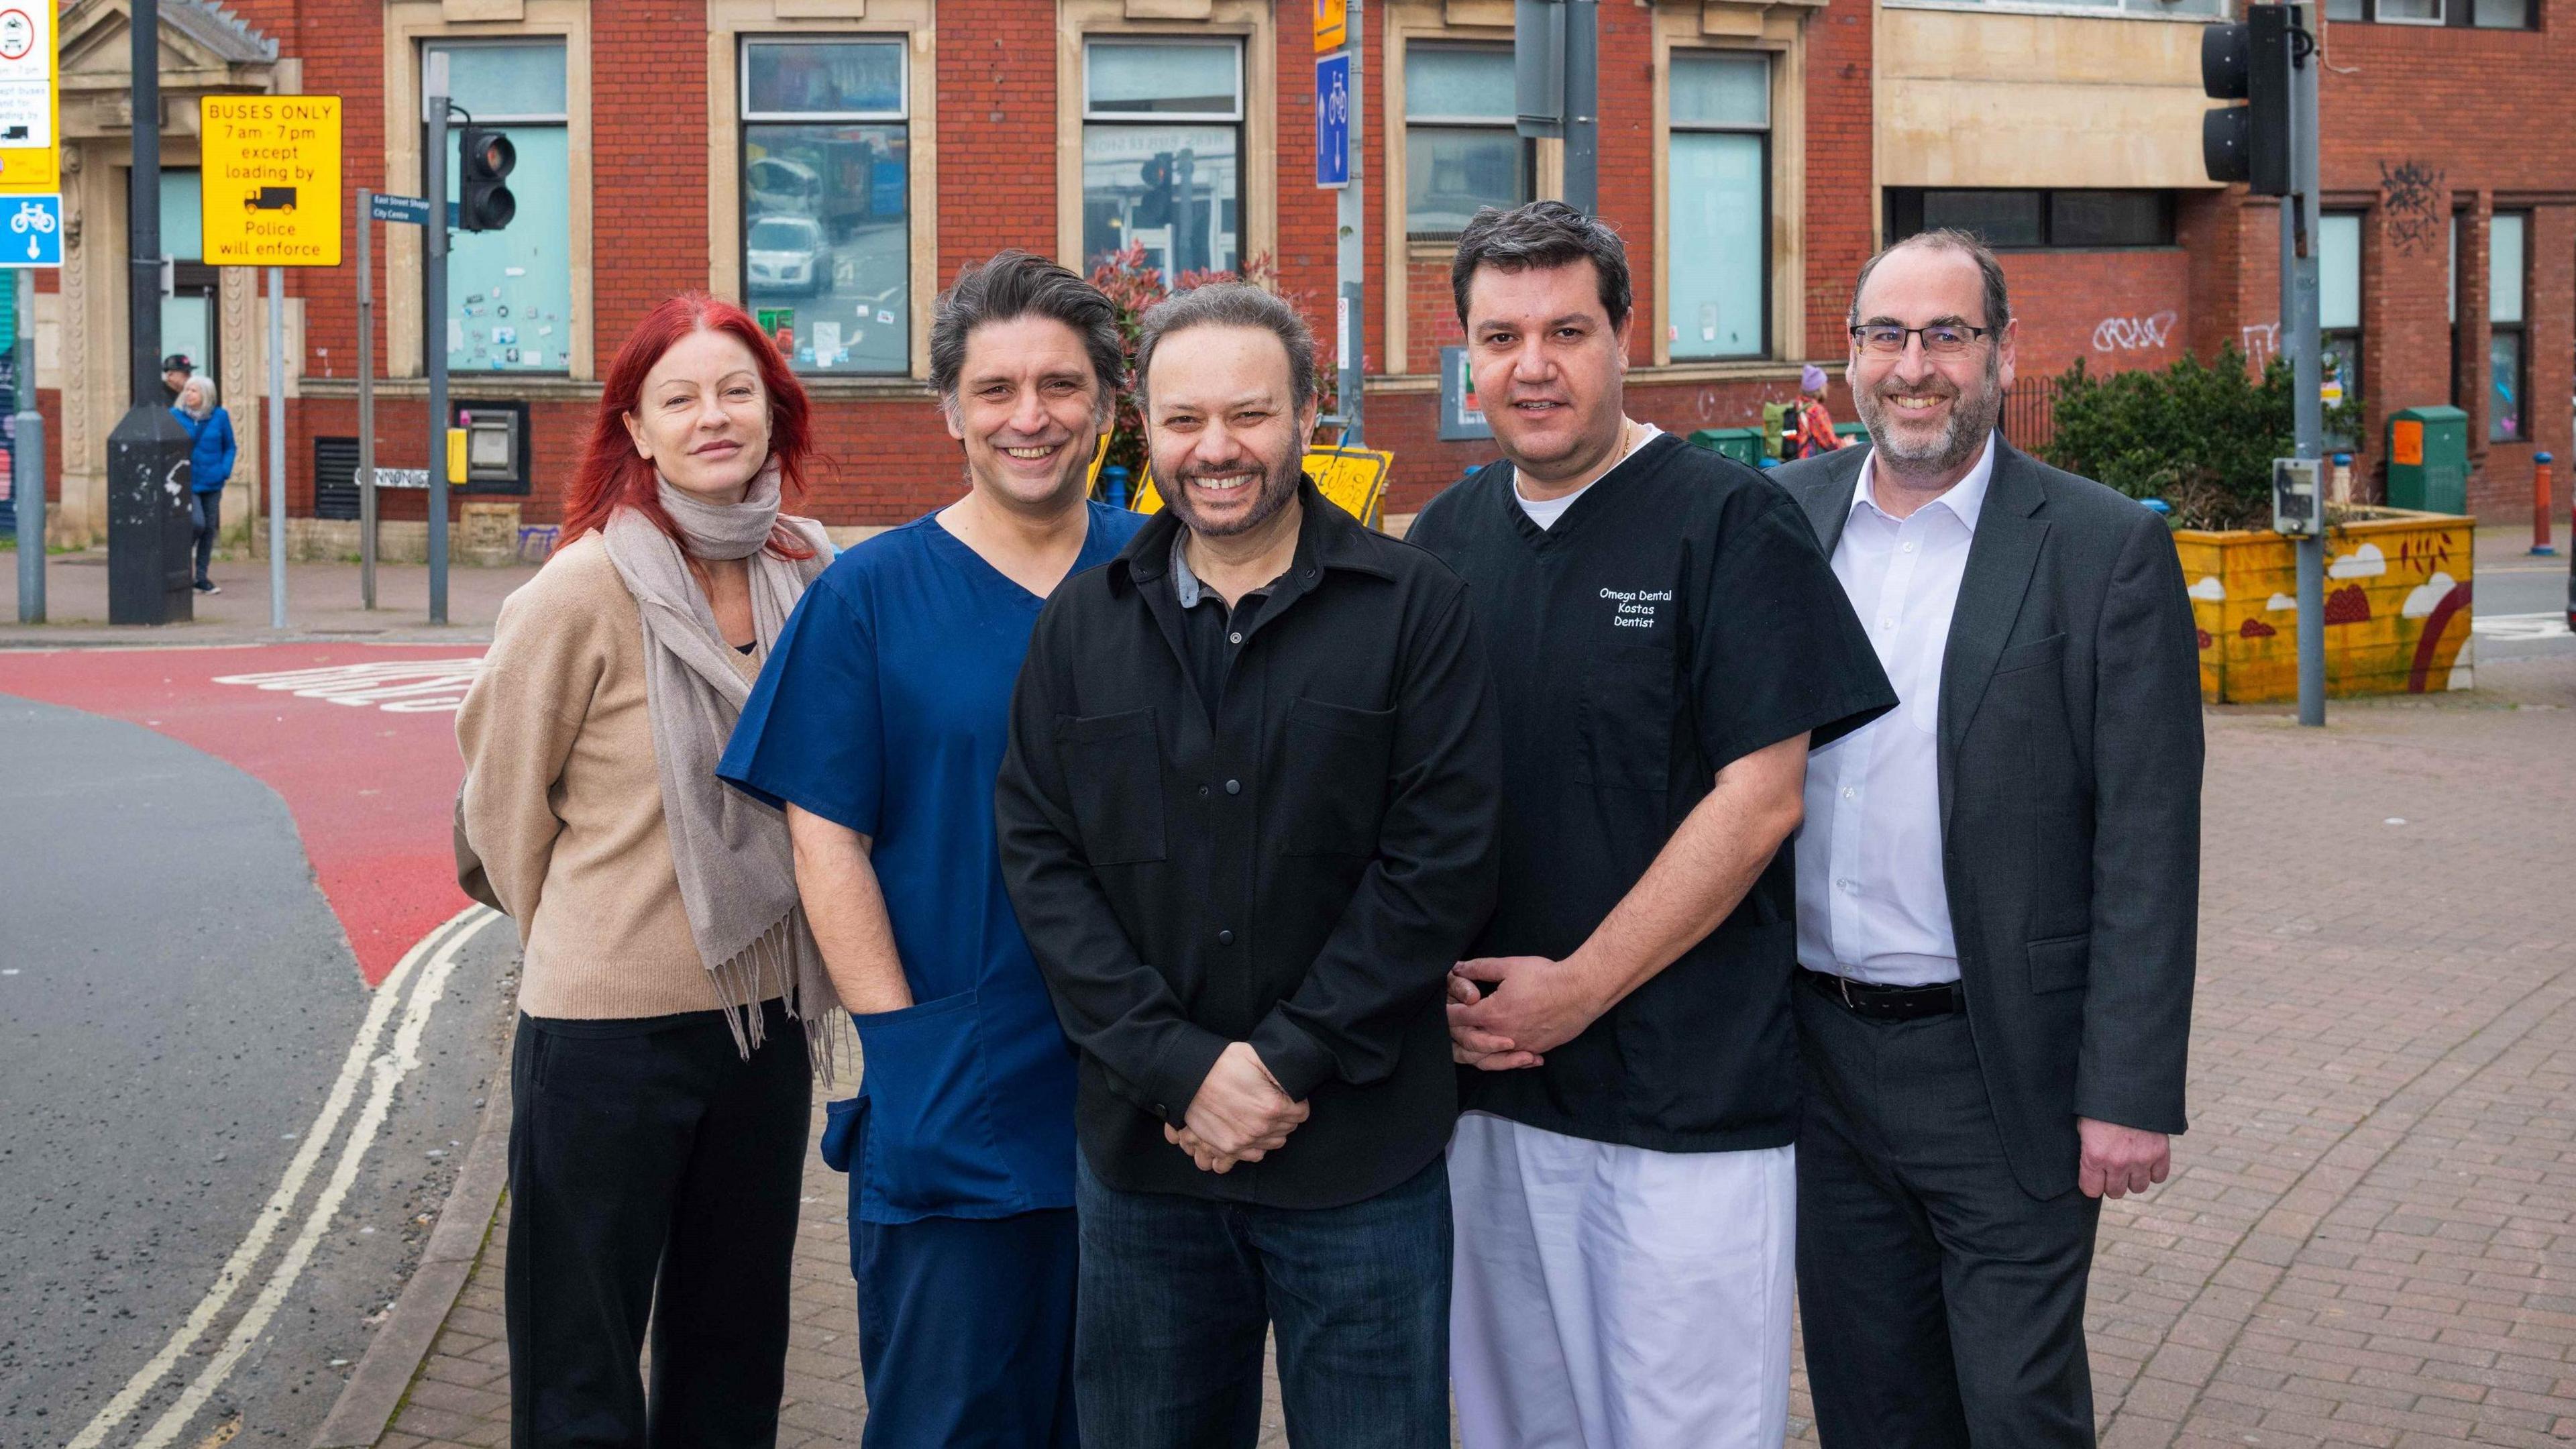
1941,339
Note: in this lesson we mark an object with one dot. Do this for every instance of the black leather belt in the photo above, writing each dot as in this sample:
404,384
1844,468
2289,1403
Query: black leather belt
1886,1003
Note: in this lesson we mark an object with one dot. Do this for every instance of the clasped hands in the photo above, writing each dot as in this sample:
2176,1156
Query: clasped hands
1239,1115
1536,1005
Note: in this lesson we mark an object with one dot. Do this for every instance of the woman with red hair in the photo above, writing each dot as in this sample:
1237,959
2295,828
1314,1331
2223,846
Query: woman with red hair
672,997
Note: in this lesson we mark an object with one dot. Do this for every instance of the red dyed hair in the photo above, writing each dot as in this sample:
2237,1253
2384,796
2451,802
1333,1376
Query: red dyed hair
613,475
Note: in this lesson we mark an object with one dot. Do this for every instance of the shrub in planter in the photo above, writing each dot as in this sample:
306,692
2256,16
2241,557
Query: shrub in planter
2200,436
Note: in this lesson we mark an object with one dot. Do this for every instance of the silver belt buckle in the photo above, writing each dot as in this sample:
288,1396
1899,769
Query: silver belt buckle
1843,983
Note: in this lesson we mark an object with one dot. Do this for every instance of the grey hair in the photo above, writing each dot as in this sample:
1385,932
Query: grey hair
205,385
1014,284
1544,234
1946,238
1232,304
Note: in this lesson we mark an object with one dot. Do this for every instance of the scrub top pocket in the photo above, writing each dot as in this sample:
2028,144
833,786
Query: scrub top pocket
1627,719
928,1147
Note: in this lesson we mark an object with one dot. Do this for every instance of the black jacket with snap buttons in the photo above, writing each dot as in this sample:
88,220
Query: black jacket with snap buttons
1298,871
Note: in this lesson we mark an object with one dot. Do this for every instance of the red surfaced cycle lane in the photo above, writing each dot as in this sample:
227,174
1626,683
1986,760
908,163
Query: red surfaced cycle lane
358,739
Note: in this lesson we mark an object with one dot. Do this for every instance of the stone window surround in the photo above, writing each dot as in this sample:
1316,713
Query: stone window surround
1253,22
729,22
1779,30
410,23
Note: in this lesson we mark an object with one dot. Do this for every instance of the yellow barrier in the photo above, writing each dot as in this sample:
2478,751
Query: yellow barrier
1353,478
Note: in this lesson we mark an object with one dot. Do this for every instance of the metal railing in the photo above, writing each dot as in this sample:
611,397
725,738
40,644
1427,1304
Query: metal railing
2030,413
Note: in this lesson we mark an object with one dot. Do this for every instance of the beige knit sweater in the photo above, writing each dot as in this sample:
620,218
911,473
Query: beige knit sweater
564,805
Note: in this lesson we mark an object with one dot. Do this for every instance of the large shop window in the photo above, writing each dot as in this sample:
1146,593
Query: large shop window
2508,349
2457,14
509,292
2339,308
1162,138
1462,150
826,201
1718,277
2031,220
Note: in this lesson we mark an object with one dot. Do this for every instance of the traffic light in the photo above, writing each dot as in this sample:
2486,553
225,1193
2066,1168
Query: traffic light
2249,61
484,203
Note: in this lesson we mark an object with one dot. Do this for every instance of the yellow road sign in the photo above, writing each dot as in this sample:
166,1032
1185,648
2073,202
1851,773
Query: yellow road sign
31,107
1332,25
1354,479
270,180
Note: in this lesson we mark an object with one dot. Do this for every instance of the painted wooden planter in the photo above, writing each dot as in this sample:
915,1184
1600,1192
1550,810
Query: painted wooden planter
2397,607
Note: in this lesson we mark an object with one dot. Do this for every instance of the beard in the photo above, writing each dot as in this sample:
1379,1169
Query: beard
1278,484
1972,417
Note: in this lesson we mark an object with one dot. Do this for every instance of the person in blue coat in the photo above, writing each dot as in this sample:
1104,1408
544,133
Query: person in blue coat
210,466
879,725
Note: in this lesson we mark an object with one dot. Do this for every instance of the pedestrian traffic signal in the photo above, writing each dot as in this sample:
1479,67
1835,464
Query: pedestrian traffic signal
484,203
2248,61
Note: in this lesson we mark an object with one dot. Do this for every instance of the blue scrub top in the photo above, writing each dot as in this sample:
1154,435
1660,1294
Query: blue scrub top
885,707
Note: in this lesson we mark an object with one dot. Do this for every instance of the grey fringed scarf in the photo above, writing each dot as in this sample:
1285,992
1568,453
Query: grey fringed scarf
737,872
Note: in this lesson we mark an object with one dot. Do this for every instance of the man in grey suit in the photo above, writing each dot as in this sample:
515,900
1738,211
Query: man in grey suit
1997,889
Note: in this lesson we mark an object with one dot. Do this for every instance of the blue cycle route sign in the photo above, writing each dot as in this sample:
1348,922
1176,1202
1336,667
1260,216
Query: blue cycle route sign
35,234
1333,120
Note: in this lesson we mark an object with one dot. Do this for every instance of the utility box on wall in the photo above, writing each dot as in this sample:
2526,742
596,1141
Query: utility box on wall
2428,459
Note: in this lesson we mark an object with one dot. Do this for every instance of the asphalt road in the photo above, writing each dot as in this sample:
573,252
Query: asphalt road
2522,607
181,1073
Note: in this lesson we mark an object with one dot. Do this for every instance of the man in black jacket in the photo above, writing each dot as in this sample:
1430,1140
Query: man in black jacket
1247,818
1998,887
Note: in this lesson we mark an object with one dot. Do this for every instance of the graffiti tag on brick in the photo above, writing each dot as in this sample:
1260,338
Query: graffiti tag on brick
2133,334
2415,210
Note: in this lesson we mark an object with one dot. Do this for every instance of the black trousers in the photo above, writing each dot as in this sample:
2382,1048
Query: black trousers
653,1174
1941,1305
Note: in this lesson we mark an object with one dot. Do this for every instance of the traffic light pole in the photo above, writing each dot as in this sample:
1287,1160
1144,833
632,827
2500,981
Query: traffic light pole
1583,106
2299,300
1350,218
433,326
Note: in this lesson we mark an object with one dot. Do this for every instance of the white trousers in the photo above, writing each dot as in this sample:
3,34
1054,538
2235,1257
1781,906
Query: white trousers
1613,1297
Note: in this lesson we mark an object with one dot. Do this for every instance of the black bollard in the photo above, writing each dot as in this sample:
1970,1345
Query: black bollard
149,535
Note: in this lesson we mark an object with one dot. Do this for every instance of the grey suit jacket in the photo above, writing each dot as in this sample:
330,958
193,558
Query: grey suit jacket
2070,759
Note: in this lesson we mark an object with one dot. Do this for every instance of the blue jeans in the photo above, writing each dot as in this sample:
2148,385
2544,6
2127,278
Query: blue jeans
205,514
1176,1293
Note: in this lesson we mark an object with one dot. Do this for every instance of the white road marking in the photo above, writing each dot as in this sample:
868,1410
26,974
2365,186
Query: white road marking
2551,625
398,686
272,1215
390,1069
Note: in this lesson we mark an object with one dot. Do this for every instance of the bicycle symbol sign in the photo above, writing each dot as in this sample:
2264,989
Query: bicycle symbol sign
35,232
1333,120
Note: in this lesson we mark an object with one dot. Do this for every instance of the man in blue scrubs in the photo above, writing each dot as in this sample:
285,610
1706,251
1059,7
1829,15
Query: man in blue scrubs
879,725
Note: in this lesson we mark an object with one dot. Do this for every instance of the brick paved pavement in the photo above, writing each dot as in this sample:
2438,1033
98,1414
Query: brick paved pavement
2368,1240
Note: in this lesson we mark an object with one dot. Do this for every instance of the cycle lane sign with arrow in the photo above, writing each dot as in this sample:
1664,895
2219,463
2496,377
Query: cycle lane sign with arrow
34,235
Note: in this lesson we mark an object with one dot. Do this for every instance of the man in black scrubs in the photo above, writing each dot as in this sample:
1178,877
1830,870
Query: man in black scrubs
1667,642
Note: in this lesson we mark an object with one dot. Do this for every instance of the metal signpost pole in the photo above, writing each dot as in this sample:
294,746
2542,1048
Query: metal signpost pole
148,543
433,327
277,447
366,399
2299,299
29,462
1583,106
1351,254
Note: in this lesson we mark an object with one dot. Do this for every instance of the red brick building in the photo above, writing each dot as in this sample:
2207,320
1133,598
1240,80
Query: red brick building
834,162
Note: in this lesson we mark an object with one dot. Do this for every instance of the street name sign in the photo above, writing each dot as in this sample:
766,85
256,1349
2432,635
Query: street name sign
35,234
270,180
31,107
1333,120
407,210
